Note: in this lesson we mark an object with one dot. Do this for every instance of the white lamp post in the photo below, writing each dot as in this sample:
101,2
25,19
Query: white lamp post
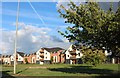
16,37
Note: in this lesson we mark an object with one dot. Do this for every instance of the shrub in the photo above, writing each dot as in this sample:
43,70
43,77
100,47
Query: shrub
93,56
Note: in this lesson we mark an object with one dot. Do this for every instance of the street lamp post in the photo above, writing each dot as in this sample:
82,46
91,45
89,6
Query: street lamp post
16,37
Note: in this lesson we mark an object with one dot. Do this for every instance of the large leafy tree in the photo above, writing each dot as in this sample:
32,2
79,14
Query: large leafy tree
92,25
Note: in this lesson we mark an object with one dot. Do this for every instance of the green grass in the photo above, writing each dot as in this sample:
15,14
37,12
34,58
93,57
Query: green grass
60,70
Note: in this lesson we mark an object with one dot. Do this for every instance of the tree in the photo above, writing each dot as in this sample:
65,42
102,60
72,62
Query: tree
92,25
92,56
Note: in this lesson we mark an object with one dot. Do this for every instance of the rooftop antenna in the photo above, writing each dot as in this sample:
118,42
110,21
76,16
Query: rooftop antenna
16,36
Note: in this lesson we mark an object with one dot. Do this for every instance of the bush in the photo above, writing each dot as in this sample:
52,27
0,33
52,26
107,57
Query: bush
93,56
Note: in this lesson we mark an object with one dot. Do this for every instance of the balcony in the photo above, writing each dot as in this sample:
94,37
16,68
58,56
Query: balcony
73,57
41,51
72,52
42,59
41,55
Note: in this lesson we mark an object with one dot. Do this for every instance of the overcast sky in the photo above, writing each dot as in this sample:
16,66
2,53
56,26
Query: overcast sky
35,30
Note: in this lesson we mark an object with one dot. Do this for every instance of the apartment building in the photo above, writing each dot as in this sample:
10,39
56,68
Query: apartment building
58,57
6,59
73,55
19,58
30,58
47,55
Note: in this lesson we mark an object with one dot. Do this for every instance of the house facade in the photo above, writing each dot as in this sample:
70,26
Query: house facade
12,59
58,57
33,58
39,60
1,59
27,59
43,56
73,55
62,56
19,58
6,59
30,58
114,59
47,55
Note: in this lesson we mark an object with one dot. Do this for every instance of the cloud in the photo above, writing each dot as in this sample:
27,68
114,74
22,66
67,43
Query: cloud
56,39
66,2
65,40
30,39
20,24
103,4
62,2
6,40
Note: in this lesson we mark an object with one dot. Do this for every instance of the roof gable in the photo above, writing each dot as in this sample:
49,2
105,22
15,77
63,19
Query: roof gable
21,54
55,49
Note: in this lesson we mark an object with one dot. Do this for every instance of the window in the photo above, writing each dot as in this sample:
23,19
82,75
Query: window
19,59
46,53
78,54
68,55
46,57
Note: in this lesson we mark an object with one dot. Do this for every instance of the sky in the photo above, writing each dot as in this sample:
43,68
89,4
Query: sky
35,30
38,26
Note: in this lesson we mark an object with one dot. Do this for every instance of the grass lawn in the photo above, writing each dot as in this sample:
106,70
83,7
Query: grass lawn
61,70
